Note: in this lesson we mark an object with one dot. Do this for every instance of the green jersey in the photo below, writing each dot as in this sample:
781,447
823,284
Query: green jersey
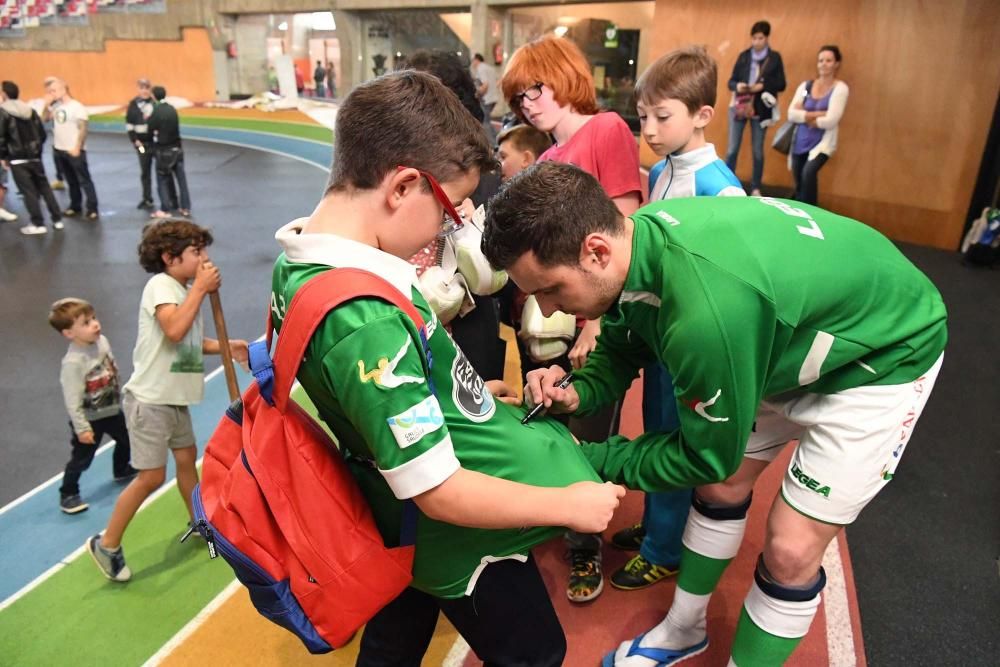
744,299
404,429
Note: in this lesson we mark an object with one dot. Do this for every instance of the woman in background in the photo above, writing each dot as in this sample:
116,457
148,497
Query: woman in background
817,107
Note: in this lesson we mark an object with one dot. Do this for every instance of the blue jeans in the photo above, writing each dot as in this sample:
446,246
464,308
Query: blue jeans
664,514
736,127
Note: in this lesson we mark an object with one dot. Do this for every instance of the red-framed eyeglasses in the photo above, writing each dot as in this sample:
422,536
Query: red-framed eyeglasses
453,220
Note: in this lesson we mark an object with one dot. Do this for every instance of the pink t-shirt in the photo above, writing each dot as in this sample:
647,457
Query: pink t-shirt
605,148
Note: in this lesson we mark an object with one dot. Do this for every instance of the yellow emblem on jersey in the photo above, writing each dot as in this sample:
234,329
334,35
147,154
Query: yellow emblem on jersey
384,374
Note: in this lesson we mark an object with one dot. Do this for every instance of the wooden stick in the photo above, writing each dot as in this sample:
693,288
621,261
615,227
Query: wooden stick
227,354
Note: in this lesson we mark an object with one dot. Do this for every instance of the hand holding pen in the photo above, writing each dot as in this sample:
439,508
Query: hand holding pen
545,393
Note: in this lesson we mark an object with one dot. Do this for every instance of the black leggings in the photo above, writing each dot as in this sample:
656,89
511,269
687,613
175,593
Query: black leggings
806,174
508,620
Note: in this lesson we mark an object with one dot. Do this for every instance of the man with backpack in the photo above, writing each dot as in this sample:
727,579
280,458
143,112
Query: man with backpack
21,138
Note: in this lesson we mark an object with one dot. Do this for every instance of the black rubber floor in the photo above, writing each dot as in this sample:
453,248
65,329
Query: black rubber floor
243,195
925,552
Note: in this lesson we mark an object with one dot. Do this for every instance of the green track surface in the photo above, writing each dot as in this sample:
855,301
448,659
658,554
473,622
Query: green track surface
77,617
299,130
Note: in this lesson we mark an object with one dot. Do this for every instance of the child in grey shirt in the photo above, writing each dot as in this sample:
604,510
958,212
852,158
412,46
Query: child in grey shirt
92,393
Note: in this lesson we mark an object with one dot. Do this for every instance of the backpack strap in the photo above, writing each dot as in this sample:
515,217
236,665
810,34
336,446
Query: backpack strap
310,306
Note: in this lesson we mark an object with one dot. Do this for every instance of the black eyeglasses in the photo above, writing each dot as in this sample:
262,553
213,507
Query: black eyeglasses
531,94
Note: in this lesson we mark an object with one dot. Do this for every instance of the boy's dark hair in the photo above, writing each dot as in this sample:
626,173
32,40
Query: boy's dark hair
526,138
63,313
689,75
11,90
479,57
832,48
549,208
171,237
446,66
409,119
761,27
159,92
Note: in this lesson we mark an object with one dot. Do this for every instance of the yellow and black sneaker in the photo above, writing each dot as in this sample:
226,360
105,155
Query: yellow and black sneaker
640,573
629,539
586,581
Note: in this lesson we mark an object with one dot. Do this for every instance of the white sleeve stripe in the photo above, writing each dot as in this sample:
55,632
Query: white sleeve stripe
424,472
813,364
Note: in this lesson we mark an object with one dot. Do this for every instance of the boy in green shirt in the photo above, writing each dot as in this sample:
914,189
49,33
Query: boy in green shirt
488,488
777,321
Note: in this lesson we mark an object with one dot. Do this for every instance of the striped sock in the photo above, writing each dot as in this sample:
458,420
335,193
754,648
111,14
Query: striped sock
774,620
712,537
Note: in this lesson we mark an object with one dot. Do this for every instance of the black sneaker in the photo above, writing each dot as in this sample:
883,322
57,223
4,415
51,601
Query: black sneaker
146,204
70,213
73,504
126,476
629,539
111,563
93,215
640,573
586,581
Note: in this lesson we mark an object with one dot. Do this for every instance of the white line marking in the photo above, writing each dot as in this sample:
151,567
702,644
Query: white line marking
71,557
839,632
52,480
195,623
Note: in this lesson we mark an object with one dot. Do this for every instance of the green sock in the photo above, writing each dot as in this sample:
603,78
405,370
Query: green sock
754,647
700,574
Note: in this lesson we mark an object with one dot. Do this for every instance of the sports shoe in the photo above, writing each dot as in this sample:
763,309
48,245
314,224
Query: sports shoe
7,216
93,215
629,539
755,192
57,185
640,573
159,215
70,213
72,504
126,476
111,563
585,578
184,212
145,204
664,657
31,230
58,224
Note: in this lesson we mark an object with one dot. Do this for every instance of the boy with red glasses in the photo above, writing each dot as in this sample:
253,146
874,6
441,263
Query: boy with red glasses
487,488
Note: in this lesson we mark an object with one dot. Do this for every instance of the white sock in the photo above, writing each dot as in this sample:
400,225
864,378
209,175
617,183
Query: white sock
683,626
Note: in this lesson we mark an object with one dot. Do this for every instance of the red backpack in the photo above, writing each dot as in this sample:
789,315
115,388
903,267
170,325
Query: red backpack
277,500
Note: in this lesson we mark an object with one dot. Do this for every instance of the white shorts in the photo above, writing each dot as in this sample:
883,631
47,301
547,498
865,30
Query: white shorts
849,443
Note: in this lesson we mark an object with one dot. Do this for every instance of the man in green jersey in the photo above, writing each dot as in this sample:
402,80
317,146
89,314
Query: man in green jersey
427,428
777,321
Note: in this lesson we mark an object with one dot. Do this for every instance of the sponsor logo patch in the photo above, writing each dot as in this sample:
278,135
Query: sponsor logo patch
469,392
411,426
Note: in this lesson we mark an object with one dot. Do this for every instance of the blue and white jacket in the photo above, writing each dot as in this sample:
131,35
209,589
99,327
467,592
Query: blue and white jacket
697,173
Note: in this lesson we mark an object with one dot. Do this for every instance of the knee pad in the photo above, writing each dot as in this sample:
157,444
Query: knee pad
720,512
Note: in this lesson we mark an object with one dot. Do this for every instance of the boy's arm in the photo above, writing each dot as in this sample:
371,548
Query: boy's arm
472,499
176,319
238,347
36,121
385,394
72,377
